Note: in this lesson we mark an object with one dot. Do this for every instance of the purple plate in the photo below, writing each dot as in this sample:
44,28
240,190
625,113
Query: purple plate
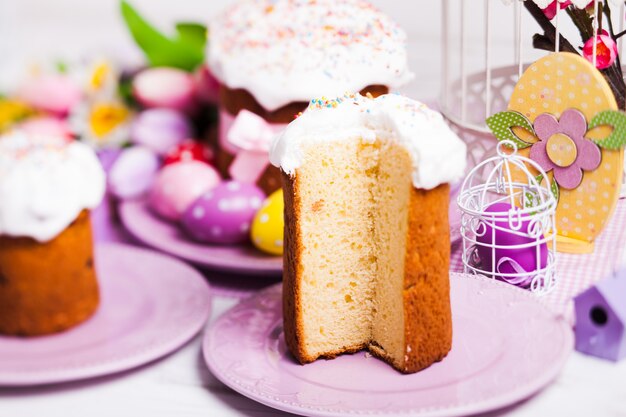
150,305
167,237
507,345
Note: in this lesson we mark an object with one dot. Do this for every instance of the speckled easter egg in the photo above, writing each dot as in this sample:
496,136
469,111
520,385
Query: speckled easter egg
268,225
223,215
552,87
179,185
509,258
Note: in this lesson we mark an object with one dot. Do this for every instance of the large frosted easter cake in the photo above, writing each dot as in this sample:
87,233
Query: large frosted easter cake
273,56
366,229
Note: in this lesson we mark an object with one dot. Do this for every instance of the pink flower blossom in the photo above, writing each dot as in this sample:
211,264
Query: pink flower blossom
606,50
550,11
560,134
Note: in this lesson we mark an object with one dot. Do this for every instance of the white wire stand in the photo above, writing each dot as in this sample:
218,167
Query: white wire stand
493,239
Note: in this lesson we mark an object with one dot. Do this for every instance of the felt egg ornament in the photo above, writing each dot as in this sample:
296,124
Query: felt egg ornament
268,225
563,116
507,247
224,214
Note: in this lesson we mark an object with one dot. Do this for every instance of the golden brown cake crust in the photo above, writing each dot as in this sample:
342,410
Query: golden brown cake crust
426,293
427,314
47,287
292,310
235,100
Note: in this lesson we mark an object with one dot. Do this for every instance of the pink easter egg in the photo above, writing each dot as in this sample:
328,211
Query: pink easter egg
224,214
511,260
178,185
165,87
160,129
54,93
46,126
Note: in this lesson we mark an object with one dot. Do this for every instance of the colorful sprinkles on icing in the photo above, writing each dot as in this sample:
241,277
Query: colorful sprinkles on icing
300,47
324,103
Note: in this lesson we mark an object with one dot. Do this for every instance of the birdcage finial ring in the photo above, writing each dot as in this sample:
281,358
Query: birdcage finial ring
504,149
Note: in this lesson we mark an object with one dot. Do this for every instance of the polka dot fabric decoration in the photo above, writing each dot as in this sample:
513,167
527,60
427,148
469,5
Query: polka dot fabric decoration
569,94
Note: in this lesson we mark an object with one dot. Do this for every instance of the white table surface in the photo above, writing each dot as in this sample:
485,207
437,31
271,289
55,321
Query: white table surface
180,384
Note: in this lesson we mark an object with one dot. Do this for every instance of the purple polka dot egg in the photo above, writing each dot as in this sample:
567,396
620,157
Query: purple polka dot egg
223,215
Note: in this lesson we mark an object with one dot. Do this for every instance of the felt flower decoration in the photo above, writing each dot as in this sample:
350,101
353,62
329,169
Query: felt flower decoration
562,148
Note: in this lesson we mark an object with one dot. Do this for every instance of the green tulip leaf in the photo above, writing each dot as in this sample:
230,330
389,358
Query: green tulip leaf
185,50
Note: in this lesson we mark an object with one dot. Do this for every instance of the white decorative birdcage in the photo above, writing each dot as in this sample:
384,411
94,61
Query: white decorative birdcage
508,222
486,46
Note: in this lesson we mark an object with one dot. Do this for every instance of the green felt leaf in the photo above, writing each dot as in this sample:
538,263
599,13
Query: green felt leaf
184,51
554,187
615,119
501,125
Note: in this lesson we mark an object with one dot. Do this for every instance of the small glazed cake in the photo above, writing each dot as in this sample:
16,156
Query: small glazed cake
47,276
366,230
272,57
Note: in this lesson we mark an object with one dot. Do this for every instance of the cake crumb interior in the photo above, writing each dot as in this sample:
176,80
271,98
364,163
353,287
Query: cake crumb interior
354,220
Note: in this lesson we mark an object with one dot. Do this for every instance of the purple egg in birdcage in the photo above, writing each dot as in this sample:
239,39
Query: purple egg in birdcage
513,254
507,221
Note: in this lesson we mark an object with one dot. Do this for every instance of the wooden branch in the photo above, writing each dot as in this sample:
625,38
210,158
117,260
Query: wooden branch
548,29
582,21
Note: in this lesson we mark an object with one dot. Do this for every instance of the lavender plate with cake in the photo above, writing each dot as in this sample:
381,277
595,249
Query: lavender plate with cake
506,346
150,305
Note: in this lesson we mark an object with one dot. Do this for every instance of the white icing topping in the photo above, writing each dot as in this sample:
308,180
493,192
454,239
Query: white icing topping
284,51
438,155
45,182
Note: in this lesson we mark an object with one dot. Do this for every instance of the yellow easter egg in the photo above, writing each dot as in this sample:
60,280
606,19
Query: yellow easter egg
553,85
268,225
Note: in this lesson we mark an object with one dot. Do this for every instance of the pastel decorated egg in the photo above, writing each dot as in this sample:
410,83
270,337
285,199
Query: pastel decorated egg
268,225
160,129
189,150
223,214
133,172
509,257
54,93
179,185
165,87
